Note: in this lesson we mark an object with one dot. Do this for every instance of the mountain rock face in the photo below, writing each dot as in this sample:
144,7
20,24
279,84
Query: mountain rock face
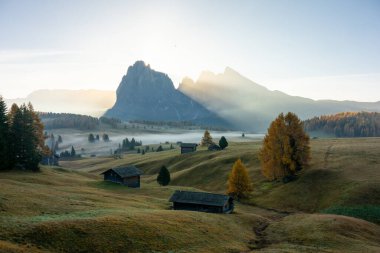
145,94
251,106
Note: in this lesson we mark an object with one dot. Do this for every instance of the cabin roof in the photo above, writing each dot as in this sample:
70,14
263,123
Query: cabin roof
203,198
128,171
188,145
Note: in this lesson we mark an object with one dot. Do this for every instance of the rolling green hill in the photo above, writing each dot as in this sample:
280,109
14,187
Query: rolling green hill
71,209
343,172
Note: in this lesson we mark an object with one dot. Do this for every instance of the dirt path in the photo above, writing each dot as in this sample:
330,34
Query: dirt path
269,216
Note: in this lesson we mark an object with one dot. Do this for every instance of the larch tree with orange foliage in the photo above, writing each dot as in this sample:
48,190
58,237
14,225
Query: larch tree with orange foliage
206,139
285,149
239,182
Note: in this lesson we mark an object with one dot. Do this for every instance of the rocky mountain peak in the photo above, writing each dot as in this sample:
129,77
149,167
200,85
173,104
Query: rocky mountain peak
146,94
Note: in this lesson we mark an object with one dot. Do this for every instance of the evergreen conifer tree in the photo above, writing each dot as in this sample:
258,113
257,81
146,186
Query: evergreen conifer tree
91,138
163,177
223,142
15,133
4,136
105,137
72,153
26,131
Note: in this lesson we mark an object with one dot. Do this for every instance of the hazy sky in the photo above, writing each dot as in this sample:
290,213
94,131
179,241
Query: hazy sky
322,49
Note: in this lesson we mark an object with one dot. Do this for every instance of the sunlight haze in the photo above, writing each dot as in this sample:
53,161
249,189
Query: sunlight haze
319,50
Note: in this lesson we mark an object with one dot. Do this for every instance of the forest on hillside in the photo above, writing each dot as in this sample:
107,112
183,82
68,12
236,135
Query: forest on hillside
346,124
68,120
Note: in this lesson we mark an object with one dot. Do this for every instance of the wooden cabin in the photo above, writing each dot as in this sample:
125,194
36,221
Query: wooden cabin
188,147
129,176
202,202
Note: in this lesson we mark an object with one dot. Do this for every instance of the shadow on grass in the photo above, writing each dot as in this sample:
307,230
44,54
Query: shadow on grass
369,213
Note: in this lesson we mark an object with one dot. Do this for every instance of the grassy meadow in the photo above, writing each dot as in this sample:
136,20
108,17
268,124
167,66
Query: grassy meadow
332,207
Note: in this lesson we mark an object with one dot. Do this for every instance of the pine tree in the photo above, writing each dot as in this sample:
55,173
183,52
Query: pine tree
223,142
285,149
4,136
73,153
132,144
34,141
206,139
105,137
239,183
60,139
163,177
91,138
159,149
15,133
26,131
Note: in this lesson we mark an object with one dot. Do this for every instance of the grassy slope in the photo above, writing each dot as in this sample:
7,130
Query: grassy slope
73,210
68,211
343,172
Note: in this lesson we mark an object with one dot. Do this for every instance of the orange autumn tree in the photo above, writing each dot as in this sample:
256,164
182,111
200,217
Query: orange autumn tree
239,183
285,149
206,139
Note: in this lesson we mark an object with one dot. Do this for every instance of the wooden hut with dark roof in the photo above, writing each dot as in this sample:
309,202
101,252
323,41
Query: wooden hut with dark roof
129,176
188,147
202,202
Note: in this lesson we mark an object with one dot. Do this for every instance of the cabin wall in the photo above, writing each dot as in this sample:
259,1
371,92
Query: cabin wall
187,150
197,207
113,177
132,181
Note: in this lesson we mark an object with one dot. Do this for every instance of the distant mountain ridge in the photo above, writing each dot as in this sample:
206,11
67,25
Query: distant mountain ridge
146,94
251,106
226,100
87,102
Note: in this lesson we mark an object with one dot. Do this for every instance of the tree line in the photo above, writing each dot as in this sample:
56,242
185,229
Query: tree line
178,124
163,123
82,122
113,122
346,124
92,137
22,141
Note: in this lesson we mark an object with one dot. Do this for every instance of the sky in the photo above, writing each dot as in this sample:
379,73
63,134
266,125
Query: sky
321,49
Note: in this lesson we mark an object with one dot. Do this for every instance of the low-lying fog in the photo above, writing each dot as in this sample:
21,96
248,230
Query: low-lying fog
82,146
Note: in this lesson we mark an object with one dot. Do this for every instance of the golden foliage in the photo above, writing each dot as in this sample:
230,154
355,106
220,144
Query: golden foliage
239,182
206,139
285,148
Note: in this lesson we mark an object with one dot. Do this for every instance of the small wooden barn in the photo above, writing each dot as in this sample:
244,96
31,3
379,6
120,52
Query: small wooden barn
188,147
129,176
202,202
